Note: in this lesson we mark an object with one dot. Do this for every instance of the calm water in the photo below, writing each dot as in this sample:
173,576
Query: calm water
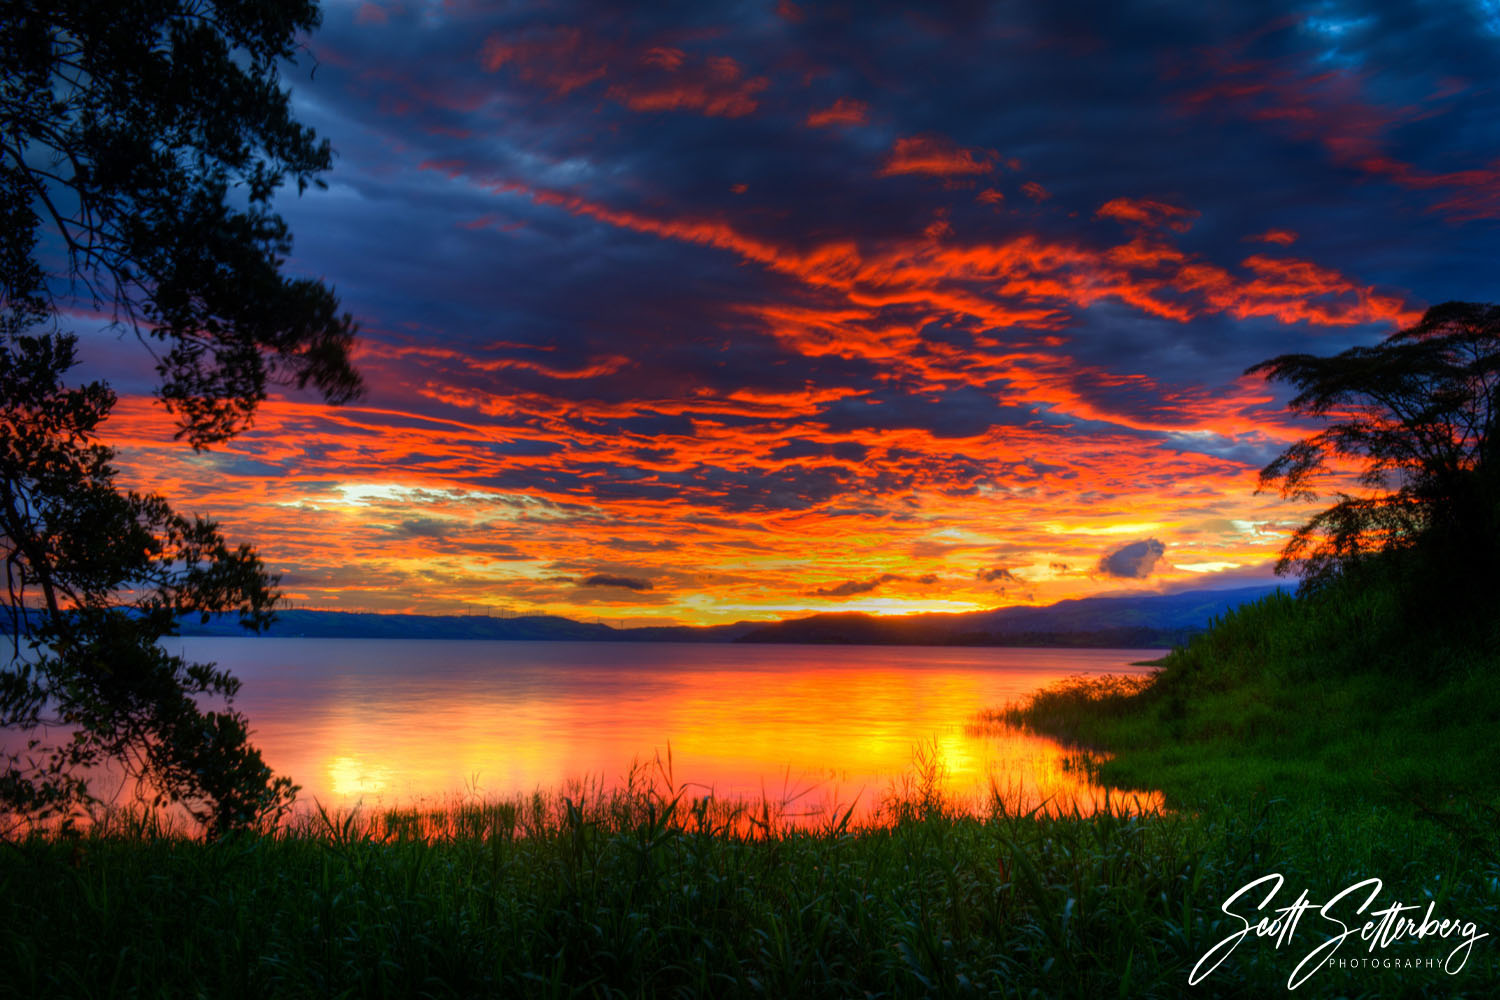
391,722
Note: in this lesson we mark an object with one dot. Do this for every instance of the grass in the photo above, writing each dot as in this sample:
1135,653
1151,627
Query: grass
1287,739
645,892
1364,729
1332,701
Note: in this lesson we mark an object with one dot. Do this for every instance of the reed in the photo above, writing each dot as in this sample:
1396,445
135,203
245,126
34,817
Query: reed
647,891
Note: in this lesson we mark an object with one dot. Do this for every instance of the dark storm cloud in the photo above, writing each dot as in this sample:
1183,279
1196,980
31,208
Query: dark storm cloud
792,487
434,535
959,413
844,451
609,580
852,588
421,527
1134,561
997,574
799,449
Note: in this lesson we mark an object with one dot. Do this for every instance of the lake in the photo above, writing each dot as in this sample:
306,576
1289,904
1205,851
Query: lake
384,722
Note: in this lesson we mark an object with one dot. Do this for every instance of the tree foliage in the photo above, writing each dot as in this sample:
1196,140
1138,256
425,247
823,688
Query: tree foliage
141,143
1408,452
114,570
147,139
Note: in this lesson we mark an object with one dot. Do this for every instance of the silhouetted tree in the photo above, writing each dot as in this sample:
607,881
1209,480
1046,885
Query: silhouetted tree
141,142
1412,424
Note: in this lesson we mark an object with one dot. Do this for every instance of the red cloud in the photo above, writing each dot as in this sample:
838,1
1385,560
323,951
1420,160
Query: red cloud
844,111
1281,237
718,91
1329,107
936,155
1145,212
667,58
560,59
663,78
1027,281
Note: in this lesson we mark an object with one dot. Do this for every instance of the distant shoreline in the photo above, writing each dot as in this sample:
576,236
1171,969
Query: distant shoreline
1153,621
1148,648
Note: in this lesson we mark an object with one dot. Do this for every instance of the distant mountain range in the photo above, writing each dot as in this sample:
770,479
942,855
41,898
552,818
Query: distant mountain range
1153,620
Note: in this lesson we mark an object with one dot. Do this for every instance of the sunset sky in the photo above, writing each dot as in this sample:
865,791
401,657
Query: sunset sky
718,312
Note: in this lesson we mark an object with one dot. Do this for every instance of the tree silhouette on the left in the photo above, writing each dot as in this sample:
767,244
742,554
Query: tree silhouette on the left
141,143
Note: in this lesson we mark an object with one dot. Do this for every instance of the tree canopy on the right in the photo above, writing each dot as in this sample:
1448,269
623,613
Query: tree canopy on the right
1408,454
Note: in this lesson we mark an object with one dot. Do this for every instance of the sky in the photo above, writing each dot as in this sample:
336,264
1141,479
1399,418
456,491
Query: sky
706,312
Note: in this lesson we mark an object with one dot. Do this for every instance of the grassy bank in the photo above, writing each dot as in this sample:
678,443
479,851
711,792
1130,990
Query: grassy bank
1337,700
1359,723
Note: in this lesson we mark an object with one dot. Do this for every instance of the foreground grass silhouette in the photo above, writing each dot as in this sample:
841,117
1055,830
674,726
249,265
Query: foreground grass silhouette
643,892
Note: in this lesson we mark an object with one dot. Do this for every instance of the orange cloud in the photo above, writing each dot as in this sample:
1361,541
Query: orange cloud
883,417
408,502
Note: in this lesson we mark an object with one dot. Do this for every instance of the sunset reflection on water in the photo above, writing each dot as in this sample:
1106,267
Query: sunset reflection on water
383,723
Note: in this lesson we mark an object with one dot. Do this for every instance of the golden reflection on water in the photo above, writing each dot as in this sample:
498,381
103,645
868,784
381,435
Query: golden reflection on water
385,724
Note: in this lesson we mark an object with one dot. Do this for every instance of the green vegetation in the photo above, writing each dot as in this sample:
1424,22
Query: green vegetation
1336,698
644,892
1357,721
